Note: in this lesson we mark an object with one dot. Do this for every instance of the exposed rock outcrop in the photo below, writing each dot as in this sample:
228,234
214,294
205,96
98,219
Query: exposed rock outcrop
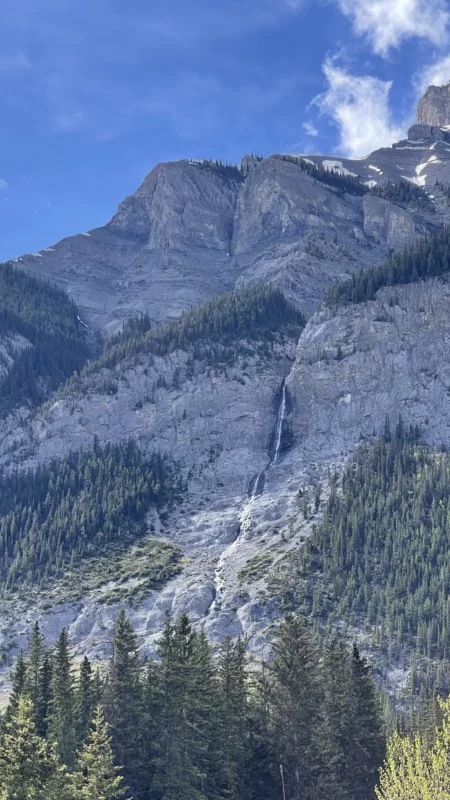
434,107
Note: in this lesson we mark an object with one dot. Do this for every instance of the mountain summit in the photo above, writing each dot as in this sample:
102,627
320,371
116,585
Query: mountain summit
434,107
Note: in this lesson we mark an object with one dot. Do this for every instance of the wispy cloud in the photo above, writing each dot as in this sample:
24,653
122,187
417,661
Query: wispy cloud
386,23
359,105
310,129
3,184
436,74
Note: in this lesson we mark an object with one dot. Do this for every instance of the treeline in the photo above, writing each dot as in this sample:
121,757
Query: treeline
46,317
346,183
226,170
193,724
405,193
381,557
71,509
427,257
257,312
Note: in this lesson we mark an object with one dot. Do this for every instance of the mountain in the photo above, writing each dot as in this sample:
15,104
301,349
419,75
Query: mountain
434,107
196,229
285,314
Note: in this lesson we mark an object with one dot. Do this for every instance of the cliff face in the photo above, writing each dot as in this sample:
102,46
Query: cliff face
194,230
434,107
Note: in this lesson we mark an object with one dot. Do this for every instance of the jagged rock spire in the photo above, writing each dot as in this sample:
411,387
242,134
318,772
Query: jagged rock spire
434,107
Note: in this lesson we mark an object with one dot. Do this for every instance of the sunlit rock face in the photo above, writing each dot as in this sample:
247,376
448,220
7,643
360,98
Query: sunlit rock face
434,107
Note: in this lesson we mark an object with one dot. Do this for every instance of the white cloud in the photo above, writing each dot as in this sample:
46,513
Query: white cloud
386,23
359,105
310,129
3,184
436,74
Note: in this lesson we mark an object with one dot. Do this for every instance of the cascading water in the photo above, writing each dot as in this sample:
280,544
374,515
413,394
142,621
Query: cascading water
280,419
259,480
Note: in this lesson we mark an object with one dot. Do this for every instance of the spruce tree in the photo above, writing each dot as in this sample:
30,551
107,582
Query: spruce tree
97,777
29,768
234,750
126,703
294,700
18,686
45,695
61,723
36,653
180,769
84,700
370,743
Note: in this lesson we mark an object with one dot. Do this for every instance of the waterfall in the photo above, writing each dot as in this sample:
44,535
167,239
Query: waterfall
258,486
280,419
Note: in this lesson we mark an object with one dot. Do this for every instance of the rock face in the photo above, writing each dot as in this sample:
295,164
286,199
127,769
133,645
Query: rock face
434,107
194,230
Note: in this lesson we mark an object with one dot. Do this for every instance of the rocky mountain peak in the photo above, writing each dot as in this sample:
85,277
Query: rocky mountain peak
434,107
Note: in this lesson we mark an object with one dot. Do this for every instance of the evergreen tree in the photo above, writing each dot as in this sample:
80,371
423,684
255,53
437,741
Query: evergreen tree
84,700
18,686
369,743
61,724
32,687
126,700
180,768
338,724
45,695
234,750
97,777
29,768
294,701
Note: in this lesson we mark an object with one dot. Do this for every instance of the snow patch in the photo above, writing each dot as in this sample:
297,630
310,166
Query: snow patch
337,166
370,184
36,255
84,234
420,181
376,169
48,250
406,147
83,323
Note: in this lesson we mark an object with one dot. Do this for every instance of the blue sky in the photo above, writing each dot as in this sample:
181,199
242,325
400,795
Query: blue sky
95,92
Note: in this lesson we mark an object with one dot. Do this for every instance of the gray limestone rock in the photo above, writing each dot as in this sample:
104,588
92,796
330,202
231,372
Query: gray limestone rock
434,107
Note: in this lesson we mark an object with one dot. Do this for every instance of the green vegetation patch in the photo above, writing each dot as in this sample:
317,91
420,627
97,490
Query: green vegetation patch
257,312
46,317
75,507
427,257
256,568
381,557
346,183
404,193
122,574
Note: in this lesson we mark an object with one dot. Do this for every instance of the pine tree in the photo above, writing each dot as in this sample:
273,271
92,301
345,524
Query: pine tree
183,753
84,700
97,777
338,732
126,703
294,702
18,686
61,724
45,695
29,768
36,652
234,751
369,745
